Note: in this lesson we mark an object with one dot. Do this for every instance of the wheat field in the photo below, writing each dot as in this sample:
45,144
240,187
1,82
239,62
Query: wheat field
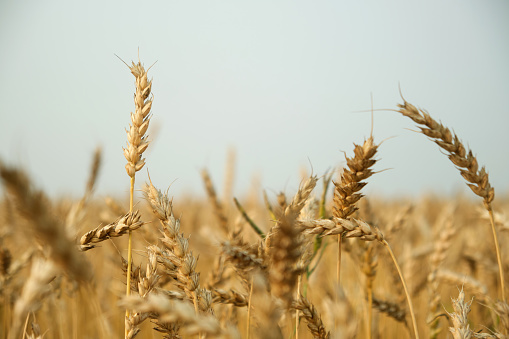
325,261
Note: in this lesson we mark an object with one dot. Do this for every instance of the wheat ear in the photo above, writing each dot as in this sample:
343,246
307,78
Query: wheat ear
393,310
468,283
230,297
33,205
146,284
35,332
76,214
502,309
286,245
173,311
35,290
219,209
137,143
176,251
477,179
124,224
346,192
312,317
461,328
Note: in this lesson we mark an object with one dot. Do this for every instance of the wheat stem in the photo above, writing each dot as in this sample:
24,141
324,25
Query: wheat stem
129,248
338,267
195,302
370,311
248,325
497,249
299,280
338,273
410,306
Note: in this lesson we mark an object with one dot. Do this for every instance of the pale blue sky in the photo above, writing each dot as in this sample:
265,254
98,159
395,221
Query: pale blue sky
278,80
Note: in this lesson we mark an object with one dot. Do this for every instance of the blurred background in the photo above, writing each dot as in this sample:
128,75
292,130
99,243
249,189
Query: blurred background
286,85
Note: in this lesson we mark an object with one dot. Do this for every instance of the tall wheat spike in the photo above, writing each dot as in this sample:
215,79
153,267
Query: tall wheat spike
137,143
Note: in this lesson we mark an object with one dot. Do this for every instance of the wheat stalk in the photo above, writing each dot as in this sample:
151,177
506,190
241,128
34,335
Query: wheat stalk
352,228
477,179
448,230
137,143
369,265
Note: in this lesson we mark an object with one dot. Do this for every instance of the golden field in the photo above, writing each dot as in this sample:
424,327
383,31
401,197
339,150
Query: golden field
322,262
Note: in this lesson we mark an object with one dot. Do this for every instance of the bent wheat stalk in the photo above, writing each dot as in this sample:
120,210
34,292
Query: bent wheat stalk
477,179
410,306
353,228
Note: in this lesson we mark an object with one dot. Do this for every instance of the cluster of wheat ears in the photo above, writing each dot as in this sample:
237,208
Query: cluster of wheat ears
340,264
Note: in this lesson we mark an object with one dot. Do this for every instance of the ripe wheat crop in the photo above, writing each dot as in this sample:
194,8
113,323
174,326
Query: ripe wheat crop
325,261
